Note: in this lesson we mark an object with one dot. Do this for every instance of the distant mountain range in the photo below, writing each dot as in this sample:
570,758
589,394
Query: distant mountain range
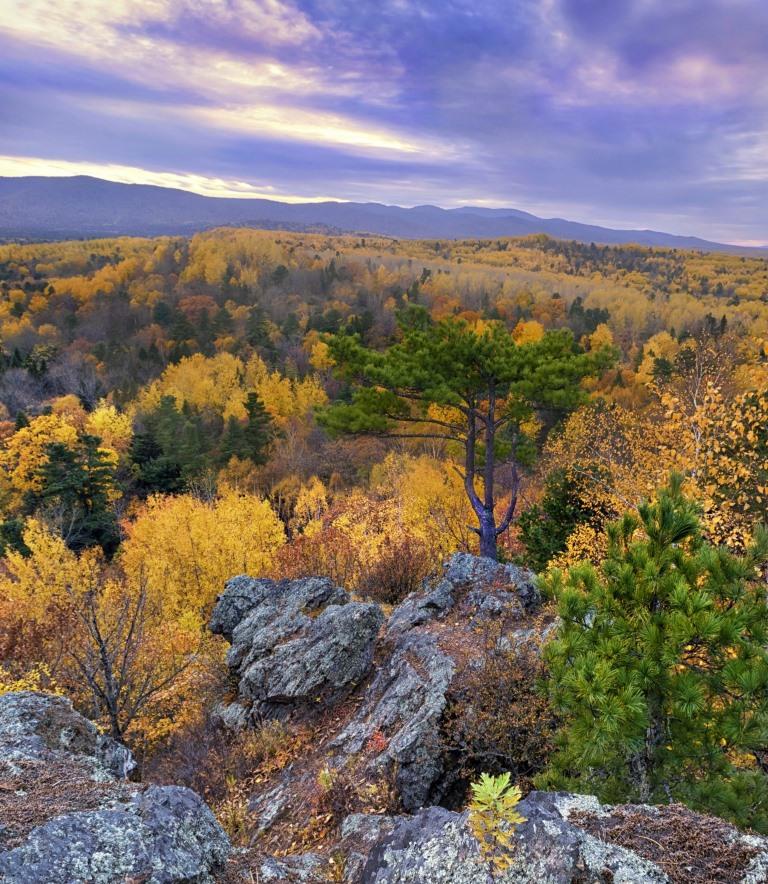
65,208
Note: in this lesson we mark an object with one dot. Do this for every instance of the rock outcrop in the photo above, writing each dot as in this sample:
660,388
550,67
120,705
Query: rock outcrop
34,727
301,646
383,687
490,589
566,839
68,814
401,710
295,644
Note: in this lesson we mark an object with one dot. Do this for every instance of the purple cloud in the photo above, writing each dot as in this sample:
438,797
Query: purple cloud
630,112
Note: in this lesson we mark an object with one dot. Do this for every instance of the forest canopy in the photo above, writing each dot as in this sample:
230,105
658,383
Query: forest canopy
175,411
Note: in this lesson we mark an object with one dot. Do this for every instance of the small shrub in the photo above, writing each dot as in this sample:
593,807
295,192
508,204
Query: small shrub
36,678
337,867
496,719
327,551
338,794
232,813
209,759
399,569
493,817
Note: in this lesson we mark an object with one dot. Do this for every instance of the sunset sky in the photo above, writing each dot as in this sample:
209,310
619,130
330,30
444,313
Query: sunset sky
632,113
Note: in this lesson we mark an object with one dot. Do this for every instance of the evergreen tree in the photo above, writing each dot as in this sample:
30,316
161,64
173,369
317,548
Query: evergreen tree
171,450
153,470
486,387
568,501
76,484
259,429
251,439
205,334
12,537
290,327
256,332
163,314
223,323
660,670
231,441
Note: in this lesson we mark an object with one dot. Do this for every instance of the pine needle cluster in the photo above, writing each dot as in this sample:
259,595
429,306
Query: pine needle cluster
660,668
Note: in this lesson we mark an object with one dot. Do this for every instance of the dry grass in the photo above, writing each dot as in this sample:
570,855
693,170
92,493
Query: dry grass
690,847
33,792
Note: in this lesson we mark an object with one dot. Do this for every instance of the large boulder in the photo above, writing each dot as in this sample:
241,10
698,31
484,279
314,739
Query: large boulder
68,814
400,713
567,839
332,654
34,725
298,645
162,834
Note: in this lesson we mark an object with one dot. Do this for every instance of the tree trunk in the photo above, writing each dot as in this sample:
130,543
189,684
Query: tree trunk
488,532
488,535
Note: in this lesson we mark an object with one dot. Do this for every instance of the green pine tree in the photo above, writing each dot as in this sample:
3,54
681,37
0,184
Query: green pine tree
659,668
76,484
249,440
259,429
231,441
256,331
493,385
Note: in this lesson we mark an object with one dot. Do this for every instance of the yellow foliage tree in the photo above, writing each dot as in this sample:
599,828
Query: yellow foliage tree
24,453
528,332
220,384
48,575
187,547
113,427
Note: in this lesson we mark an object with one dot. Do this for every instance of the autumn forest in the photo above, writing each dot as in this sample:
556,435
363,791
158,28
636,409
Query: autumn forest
177,411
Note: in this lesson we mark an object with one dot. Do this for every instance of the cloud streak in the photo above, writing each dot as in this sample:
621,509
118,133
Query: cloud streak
626,112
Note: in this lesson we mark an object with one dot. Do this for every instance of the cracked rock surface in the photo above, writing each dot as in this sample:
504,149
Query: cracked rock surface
69,815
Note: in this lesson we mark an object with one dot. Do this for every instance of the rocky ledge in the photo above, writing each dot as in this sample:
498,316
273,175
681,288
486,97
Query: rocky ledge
303,647
68,814
365,796
372,691
566,839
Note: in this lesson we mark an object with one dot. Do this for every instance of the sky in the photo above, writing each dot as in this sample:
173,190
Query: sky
628,113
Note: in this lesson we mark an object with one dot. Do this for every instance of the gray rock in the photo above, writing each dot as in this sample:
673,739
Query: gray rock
432,847
435,846
272,612
360,833
268,807
404,703
301,644
419,608
241,595
33,724
304,868
490,590
295,644
552,849
332,655
164,834
231,716
158,834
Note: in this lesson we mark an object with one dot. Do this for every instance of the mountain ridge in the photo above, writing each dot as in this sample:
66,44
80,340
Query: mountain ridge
37,207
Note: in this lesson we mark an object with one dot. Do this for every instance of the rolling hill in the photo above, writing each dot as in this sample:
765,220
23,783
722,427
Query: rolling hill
80,206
